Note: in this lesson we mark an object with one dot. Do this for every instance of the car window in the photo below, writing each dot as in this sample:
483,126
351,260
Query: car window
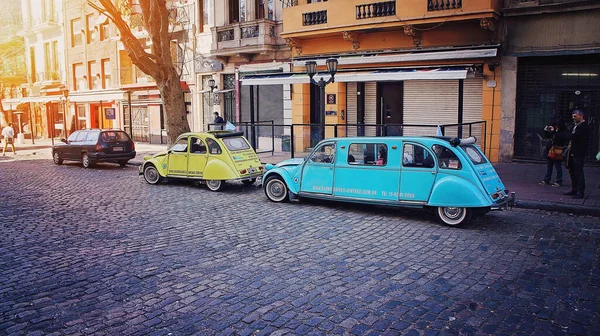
235,143
213,146
73,136
82,136
323,154
92,136
109,136
474,154
367,154
446,158
417,156
198,146
181,145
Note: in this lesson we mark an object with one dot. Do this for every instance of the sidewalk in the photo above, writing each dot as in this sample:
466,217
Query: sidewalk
522,178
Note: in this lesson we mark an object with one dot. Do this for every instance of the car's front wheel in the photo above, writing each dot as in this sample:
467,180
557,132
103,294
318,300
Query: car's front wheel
452,215
276,190
86,161
151,174
56,158
215,185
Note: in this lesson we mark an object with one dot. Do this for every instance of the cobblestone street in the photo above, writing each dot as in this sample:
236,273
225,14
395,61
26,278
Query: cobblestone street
99,251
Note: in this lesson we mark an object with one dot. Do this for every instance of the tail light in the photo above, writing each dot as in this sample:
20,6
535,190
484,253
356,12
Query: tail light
132,146
98,147
243,171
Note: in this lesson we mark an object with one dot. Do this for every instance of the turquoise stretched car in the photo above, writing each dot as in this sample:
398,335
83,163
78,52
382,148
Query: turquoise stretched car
451,176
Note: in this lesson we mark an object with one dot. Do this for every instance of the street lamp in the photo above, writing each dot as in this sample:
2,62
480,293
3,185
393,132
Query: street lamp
64,99
311,70
212,86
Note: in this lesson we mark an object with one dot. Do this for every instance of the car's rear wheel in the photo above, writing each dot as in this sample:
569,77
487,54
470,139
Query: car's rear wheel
452,215
56,158
151,174
215,185
276,190
86,161
123,163
249,182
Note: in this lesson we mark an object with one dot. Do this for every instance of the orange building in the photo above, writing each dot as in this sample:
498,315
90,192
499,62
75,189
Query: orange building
399,62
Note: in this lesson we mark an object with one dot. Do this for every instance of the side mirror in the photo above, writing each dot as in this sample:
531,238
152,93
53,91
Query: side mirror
64,140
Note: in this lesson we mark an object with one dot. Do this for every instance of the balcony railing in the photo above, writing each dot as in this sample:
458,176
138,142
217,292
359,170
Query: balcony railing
314,18
247,35
373,10
437,5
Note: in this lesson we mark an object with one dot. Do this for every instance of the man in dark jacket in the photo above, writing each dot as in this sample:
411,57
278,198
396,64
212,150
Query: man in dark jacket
218,120
577,151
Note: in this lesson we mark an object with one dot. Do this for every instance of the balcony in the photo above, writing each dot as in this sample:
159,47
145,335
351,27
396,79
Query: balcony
45,79
246,38
321,18
43,23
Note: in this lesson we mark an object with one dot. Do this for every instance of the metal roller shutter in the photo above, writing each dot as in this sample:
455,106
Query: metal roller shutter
370,108
429,102
351,107
472,106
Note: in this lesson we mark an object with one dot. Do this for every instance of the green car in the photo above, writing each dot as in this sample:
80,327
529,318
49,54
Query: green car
213,157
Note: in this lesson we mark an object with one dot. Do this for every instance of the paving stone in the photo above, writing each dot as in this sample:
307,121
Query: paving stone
178,258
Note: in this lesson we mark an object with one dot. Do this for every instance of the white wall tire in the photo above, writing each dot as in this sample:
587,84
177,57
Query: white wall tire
453,216
215,185
276,189
151,174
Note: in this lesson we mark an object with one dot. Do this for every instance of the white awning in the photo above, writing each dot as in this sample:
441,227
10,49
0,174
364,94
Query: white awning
361,76
40,99
409,57
97,96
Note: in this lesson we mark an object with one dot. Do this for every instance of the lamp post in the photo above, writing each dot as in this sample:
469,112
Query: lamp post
64,99
311,70
212,86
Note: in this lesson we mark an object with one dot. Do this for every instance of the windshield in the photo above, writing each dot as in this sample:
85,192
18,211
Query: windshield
235,144
474,154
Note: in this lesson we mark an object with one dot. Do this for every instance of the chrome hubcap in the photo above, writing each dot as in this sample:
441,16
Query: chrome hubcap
452,213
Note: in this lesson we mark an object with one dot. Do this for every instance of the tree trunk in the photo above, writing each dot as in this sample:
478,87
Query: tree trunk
174,107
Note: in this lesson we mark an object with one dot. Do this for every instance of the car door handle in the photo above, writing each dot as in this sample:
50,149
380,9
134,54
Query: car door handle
433,173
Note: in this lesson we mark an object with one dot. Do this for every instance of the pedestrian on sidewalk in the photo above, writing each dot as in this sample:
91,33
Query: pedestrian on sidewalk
218,120
8,133
576,152
559,134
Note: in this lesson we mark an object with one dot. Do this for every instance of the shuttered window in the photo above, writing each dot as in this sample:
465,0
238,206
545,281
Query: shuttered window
429,102
351,108
370,108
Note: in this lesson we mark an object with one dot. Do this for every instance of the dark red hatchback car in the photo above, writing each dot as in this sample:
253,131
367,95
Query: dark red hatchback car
95,145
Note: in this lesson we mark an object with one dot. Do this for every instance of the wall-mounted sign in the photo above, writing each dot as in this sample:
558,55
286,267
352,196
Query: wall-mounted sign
331,98
110,113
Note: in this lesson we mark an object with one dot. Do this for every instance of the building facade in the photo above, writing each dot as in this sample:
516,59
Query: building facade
551,66
245,38
42,97
409,62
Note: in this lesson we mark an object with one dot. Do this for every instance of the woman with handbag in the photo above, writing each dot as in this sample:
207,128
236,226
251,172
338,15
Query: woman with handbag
560,139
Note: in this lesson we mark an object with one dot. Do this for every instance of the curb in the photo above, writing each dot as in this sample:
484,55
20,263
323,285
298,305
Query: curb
559,207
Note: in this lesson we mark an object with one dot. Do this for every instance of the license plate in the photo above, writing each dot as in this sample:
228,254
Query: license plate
117,149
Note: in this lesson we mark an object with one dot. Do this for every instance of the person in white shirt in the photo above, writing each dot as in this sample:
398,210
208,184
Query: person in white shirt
8,133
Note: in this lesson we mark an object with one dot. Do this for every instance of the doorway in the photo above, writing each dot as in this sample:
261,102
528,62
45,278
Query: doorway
390,111
315,115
